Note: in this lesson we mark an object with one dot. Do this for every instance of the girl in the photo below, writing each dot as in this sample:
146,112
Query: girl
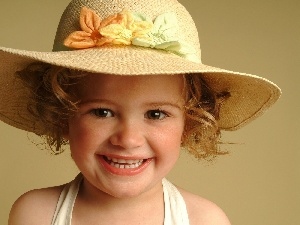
125,87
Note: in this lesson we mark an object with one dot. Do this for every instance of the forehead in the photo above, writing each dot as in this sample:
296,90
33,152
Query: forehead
107,85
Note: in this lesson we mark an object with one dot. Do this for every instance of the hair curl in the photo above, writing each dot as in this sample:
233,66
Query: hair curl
201,135
53,100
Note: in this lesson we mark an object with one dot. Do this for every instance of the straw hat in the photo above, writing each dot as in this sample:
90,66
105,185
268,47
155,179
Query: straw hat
156,37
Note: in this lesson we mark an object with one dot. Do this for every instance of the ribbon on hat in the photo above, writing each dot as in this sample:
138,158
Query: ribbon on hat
127,28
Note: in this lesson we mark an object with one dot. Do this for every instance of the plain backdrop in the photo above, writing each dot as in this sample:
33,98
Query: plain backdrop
258,183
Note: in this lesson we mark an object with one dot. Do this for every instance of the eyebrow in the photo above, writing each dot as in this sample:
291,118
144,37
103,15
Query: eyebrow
165,103
92,101
150,104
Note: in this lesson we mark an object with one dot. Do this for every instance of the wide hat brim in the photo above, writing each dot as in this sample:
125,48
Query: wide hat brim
250,95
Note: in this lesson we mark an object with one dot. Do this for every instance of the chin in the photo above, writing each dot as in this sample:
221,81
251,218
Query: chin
130,188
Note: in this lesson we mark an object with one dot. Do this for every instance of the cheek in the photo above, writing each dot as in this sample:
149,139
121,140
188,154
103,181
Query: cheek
167,149
80,137
169,140
172,137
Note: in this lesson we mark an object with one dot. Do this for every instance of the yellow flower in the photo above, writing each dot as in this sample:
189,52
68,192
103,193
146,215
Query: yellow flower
130,26
126,28
119,28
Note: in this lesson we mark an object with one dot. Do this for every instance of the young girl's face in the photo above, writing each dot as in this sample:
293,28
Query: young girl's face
127,132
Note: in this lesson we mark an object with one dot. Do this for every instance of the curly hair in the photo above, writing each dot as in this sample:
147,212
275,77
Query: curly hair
201,135
53,100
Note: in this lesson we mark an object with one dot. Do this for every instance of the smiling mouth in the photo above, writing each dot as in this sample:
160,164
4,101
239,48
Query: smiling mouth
124,163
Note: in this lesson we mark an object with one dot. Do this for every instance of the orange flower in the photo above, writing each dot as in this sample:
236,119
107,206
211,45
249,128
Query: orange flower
90,24
127,28
119,28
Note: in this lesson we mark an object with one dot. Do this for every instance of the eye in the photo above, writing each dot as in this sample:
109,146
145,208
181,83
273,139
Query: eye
102,112
156,114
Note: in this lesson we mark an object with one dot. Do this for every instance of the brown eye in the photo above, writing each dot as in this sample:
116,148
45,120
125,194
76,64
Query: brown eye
102,112
155,115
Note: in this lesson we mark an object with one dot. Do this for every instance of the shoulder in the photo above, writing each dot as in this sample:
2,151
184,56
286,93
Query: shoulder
203,211
35,207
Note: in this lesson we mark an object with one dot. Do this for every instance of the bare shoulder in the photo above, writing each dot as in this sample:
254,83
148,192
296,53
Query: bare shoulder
35,207
203,211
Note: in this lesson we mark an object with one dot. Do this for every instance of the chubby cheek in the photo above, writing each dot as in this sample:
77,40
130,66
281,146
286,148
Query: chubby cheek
81,139
168,141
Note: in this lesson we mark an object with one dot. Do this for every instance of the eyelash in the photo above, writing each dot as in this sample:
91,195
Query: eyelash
102,111
155,111
157,114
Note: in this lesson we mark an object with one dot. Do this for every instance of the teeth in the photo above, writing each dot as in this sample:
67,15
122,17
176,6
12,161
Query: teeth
125,163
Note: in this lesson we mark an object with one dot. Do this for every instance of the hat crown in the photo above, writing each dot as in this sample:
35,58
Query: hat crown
69,22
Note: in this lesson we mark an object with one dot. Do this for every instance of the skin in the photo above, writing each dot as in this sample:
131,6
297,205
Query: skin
122,118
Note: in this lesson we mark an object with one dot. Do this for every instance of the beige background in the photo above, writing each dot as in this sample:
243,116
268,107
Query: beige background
258,184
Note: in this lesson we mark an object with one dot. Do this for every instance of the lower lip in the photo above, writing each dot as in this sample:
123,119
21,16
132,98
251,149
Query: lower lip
122,171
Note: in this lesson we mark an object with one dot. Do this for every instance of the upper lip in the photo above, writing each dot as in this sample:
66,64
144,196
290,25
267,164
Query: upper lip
120,158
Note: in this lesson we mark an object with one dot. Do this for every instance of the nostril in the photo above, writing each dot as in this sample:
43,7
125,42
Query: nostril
127,139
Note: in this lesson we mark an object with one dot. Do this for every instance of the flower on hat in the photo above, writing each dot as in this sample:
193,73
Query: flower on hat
89,37
119,28
127,28
164,36
130,27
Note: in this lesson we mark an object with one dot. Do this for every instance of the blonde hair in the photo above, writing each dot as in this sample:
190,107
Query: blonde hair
53,100
201,135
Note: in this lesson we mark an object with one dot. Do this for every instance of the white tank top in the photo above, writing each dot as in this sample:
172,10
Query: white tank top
175,208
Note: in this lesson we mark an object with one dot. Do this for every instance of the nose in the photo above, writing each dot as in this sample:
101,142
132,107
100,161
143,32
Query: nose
128,135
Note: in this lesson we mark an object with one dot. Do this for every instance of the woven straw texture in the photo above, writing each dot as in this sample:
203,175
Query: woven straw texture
250,95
